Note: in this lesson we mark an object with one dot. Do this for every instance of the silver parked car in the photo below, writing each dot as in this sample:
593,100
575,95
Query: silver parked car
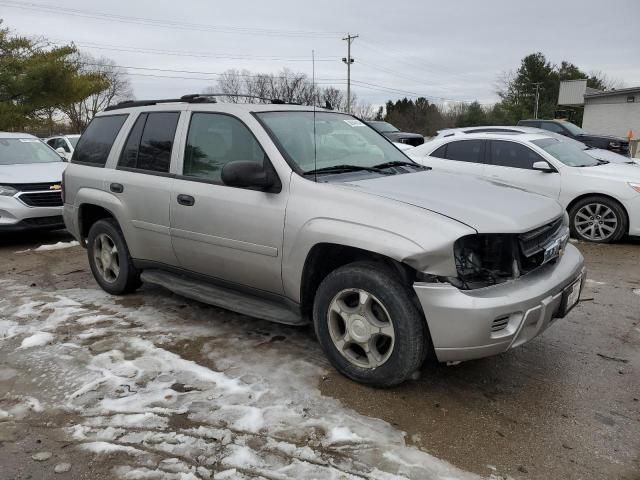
30,188
291,215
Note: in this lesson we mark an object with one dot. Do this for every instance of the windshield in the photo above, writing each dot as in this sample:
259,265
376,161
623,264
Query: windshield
383,127
73,141
25,150
567,153
574,129
340,140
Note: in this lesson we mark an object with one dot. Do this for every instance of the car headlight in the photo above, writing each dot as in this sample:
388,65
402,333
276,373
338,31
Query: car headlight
7,191
635,186
614,144
485,259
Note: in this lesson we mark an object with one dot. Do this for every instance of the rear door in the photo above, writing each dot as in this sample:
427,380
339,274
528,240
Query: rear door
228,233
512,163
459,156
142,180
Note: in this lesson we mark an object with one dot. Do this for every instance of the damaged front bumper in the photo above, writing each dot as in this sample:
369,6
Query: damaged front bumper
468,324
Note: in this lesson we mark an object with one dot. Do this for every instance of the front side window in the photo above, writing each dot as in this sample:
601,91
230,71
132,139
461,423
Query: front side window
150,142
332,140
567,153
96,141
20,151
466,151
512,154
213,141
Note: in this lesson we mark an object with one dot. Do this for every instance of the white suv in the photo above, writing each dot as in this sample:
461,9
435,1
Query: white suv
63,144
602,198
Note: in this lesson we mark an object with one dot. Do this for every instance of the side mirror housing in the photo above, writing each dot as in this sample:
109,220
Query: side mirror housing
543,166
247,174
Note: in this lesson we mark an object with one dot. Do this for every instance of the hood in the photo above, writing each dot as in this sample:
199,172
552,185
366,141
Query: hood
608,155
612,171
610,138
486,206
32,172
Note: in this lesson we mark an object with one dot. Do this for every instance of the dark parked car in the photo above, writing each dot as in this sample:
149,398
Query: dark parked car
568,129
395,135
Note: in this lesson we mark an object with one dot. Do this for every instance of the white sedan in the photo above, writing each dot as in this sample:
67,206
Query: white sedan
602,198
63,144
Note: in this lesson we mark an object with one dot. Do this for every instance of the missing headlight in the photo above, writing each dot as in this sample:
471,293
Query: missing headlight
484,260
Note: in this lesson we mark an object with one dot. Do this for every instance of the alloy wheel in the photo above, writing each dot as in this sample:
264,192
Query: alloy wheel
596,222
361,328
106,257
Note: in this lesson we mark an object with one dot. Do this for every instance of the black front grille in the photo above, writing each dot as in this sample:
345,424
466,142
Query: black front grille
42,199
414,142
34,187
535,241
44,221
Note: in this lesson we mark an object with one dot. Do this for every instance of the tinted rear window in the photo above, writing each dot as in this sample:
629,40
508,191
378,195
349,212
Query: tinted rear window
95,143
466,151
150,142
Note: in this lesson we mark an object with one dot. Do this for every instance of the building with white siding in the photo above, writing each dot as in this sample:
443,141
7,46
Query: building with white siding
612,112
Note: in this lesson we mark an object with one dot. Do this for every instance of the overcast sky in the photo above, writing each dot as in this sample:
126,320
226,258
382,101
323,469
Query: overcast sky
452,50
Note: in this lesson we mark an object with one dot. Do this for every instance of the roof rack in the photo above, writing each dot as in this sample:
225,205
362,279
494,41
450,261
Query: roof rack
191,98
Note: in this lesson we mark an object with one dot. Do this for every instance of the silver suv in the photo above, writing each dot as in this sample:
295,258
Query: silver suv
293,215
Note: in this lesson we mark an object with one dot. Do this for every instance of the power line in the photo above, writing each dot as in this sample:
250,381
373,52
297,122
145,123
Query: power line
50,9
179,53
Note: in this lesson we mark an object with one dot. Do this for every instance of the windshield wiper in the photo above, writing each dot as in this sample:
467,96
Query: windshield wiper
400,163
347,168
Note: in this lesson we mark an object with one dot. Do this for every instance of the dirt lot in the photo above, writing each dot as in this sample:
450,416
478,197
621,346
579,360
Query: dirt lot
156,386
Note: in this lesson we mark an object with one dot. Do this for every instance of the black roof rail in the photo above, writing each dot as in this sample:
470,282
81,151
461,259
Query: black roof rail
193,98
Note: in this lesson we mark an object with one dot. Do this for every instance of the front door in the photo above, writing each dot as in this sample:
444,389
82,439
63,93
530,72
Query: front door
231,234
512,163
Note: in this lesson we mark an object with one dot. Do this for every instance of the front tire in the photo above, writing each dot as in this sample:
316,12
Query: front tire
368,326
109,258
598,219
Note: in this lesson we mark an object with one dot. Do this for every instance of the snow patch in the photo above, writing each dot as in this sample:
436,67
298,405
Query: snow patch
636,291
56,246
342,435
38,339
106,448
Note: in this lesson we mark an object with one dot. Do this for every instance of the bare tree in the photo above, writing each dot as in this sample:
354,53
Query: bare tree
117,89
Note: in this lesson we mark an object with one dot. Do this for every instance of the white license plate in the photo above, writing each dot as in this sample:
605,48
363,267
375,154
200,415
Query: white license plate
573,294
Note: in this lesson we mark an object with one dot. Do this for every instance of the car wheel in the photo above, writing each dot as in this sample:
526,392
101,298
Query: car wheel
368,326
109,258
598,219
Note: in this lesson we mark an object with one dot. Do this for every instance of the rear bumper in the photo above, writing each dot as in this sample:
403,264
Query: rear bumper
15,216
478,323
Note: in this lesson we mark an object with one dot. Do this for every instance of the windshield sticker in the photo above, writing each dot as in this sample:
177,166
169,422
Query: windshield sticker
29,140
354,123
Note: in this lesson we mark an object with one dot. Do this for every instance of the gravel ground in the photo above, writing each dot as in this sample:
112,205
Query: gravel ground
564,406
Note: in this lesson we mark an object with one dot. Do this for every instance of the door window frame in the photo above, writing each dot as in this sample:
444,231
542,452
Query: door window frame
181,176
489,155
176,137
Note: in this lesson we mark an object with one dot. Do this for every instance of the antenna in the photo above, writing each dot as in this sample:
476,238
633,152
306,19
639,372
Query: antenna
313,99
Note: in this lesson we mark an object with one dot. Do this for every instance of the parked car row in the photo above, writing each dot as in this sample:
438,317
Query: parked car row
295,215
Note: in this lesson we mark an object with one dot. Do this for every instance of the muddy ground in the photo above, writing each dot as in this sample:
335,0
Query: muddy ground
565,406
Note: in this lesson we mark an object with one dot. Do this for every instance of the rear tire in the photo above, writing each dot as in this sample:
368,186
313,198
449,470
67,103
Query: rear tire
368,325
598,219
109,258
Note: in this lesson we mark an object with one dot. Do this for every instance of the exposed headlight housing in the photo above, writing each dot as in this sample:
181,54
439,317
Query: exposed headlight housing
7,191
635,186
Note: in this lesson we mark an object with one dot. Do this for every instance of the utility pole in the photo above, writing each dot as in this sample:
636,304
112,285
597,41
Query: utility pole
348,60
535,109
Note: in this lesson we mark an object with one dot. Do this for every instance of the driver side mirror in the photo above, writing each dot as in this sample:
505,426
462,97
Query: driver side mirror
543,166
60,151
247,174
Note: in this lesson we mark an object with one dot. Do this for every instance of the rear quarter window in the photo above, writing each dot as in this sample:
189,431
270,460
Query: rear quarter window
95,143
